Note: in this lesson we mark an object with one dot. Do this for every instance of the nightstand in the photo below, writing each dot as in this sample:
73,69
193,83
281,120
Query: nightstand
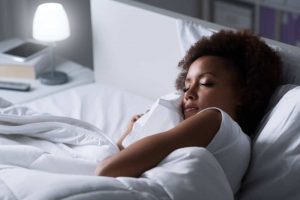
78,75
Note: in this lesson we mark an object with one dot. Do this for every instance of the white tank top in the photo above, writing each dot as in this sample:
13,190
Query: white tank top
232,148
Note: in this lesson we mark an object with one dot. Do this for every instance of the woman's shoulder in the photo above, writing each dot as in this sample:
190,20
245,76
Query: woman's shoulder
199,129
229,133
226,121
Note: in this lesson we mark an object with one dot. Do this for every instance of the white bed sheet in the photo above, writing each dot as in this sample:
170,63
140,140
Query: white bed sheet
63,168
106,107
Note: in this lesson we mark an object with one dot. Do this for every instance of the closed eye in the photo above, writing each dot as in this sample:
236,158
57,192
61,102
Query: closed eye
206,84
185,89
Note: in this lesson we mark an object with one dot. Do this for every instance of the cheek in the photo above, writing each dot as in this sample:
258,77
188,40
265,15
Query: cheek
207,99
227,98
216,98
230,94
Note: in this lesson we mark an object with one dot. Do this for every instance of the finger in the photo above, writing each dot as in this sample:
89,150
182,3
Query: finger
137,117
134,118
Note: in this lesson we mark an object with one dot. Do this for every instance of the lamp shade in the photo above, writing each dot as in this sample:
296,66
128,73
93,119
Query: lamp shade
50,23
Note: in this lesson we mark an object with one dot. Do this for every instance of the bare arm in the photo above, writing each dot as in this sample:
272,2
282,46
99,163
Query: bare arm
148,152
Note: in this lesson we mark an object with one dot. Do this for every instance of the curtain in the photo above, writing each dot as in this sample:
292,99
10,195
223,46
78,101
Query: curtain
15,16
5,26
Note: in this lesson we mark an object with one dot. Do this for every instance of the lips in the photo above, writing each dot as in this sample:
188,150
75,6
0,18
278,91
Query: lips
190,108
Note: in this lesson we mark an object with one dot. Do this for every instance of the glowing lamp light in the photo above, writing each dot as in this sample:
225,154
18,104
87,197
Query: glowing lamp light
51,24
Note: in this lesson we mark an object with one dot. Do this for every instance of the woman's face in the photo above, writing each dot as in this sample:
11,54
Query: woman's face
211,82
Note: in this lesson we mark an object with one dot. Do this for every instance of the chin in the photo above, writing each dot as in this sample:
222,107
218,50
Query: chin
186,117
189,114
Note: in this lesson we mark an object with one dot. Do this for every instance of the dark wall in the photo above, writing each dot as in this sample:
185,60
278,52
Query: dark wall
187,7
16,18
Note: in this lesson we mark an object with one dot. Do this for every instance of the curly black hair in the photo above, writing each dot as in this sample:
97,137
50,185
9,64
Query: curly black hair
258,67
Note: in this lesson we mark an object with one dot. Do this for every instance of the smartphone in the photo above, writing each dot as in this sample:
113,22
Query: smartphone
25,51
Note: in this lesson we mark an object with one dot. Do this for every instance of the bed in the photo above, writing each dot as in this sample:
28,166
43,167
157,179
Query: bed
136,50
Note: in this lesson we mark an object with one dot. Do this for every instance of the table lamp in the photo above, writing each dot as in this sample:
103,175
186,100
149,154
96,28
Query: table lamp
50,25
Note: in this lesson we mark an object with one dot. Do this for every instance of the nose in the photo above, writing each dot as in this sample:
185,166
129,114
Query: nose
191,93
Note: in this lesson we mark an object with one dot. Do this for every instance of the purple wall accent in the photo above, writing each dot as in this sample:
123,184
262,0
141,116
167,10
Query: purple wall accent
267,22
288,28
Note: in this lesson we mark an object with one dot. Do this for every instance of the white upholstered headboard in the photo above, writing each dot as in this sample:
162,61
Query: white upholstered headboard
136,46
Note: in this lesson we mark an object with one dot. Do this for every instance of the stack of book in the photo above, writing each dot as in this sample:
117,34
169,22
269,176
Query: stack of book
17,70
22,60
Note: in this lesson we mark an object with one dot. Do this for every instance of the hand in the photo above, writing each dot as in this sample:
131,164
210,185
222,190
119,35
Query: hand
134,118
129,129
132,121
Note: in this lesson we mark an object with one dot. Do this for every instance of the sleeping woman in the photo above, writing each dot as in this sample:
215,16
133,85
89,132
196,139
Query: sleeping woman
227,80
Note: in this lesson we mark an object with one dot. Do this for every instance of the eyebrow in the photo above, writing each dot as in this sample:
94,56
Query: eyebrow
200,76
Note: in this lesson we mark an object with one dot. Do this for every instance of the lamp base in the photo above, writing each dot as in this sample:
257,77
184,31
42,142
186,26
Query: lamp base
53,78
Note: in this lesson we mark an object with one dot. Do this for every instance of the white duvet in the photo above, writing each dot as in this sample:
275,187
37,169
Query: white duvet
45,157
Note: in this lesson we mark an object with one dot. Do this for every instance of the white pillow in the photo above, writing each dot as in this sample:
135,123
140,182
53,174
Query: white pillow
275,166
163,115
189,33
291,65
